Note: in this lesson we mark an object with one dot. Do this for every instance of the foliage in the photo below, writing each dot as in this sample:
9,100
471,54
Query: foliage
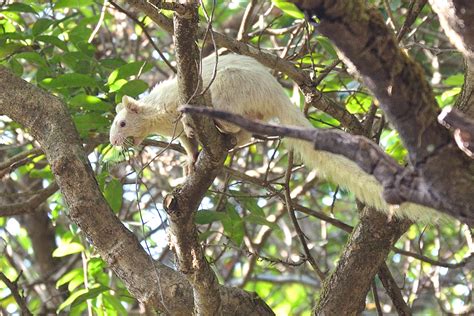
90,58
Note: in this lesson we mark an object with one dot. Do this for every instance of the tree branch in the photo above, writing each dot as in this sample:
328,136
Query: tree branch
152,283
407,99
20,300
182,204
366,241
30,205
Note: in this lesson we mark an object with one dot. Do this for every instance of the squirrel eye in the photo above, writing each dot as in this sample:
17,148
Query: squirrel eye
122,124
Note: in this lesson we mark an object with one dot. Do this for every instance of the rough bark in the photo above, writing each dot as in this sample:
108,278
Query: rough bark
182,204
154,284
405,97
344,291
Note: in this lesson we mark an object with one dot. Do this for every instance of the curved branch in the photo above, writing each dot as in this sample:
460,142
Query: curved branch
153,284
405,97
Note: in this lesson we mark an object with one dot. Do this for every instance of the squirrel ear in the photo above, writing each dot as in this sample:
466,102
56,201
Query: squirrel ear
118,107
130,104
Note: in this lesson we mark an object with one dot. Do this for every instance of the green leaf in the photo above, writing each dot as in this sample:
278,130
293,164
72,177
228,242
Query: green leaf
250,204
128,70
113,194
60,4
133,88
95,265
204,235
456,80
260,221
207,217
68,249
53,40
16,67
9,49
327,45
89,102
71,275
82,295
289,8
73,80
33,57
115,304
91,122
41,25
20,7
234,227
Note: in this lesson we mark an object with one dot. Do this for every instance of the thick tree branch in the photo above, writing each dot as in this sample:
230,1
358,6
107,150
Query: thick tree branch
400,184
406,98
153,284
182,204
345,289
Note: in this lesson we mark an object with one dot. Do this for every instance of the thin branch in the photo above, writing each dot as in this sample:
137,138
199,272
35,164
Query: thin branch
376,298
15,291
291,212
145,31
414,10
30,205
393,291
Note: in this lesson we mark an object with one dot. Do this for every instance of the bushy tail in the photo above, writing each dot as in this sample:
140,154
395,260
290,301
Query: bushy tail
347,174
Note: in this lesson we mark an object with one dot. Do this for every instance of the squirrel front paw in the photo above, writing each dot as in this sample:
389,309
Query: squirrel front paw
187,127
189,165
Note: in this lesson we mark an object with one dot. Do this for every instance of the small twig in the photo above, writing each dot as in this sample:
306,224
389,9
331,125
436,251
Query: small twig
393,291
99,23
376,298
14,161
434,262
414,10
145,31
13,286
392,21
30,205
298,229
248,15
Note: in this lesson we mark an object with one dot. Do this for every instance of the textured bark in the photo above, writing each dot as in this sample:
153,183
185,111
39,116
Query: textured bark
344,291
405,97
183,202
156,285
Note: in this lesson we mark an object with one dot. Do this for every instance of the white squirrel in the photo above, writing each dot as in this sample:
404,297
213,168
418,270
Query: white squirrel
244,86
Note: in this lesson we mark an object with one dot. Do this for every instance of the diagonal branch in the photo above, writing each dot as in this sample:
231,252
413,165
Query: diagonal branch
406,98
399,184
182,204
30,205
20,300
152,283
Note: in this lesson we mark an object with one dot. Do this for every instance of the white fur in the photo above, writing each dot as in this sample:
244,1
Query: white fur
244,86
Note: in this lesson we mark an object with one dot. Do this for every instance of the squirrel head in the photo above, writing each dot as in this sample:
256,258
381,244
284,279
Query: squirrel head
128,123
